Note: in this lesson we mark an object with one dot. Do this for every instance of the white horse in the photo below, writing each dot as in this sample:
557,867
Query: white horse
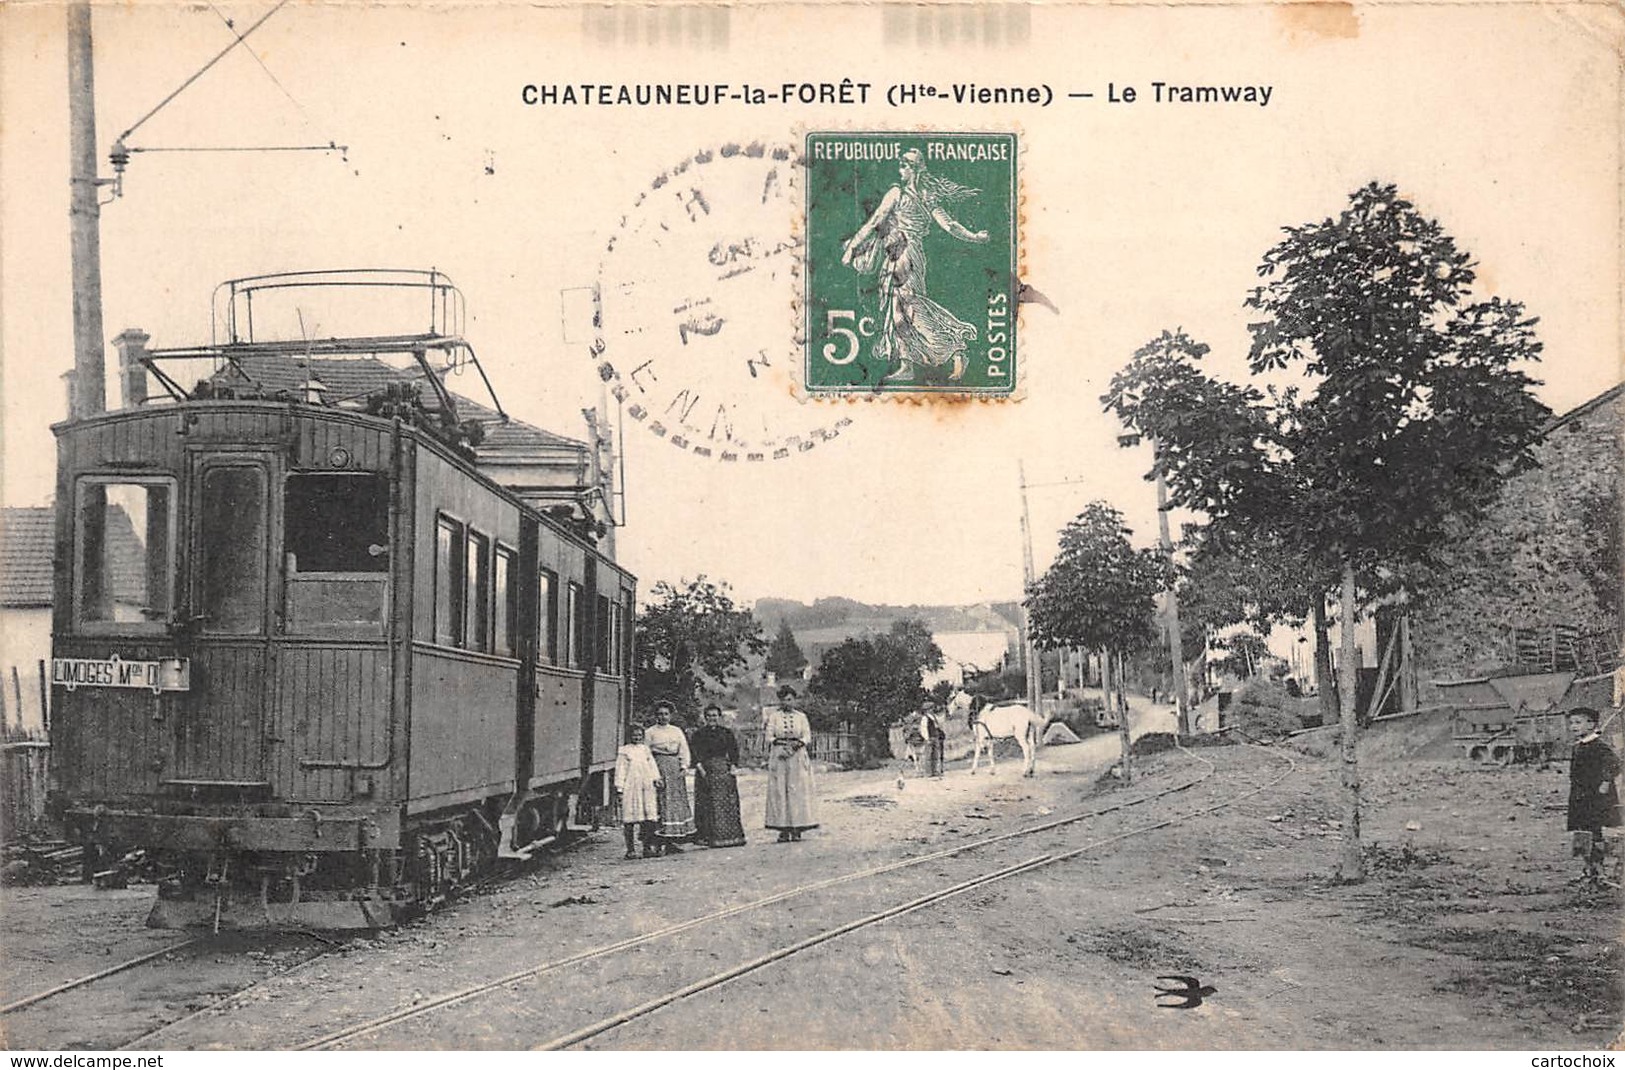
1014,721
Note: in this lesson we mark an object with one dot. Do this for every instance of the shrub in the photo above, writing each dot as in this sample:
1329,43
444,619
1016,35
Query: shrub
1263,708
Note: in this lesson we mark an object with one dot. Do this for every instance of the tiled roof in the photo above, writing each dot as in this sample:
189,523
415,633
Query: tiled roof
26,536
353,378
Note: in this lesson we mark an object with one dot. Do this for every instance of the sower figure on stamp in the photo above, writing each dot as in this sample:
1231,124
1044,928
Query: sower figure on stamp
1593,796
915,332
791,806
637,779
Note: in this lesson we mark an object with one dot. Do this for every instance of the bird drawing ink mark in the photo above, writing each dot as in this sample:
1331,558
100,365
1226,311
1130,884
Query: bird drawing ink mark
1189,995
1030,295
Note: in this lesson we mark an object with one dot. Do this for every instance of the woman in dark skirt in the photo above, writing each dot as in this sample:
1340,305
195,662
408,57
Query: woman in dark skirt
1593,796
716,795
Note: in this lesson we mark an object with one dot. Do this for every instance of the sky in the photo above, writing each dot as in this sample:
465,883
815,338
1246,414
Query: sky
1501,121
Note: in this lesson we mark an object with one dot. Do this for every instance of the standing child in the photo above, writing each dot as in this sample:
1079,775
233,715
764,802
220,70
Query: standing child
638,780
1593,798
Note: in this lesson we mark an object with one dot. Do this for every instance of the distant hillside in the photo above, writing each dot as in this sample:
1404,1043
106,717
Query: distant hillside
829,621
839,612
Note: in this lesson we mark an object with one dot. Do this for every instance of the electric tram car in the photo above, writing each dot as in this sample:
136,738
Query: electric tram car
328,639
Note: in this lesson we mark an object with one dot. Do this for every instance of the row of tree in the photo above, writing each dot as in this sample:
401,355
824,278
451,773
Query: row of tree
694,643
1383,409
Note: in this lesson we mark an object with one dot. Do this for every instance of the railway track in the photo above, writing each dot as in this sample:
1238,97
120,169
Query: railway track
169,957
91,978
446,1000
201,943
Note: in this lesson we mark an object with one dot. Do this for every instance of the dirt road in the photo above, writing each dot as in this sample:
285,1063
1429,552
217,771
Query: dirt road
1466,935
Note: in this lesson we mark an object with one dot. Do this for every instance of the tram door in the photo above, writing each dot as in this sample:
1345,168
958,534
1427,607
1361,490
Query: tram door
219,734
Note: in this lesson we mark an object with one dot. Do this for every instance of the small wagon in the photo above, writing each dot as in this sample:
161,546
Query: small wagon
1521,718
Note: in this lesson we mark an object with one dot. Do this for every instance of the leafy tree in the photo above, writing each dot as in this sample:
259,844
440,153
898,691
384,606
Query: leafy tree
912,635
692,641
1259,581
1408,410
784,656
872,684
1100,593
1245,654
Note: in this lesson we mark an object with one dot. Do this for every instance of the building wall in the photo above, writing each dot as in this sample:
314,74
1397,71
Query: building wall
1542,556
25,641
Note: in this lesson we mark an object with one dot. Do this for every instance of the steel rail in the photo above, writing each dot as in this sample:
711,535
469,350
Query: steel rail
28,1001
226,1000
606,1024
472,991
614,1021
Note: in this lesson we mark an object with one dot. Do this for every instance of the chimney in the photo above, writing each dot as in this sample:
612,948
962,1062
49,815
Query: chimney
70,387
132,348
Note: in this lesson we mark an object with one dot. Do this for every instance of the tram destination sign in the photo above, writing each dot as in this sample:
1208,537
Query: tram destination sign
166,674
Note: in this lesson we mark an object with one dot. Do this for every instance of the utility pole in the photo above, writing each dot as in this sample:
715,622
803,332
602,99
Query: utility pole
1125,735
602,472
89,390
1033,669
1175,644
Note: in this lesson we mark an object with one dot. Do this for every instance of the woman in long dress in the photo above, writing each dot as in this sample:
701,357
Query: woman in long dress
914,332
637,778
792,807
669,746
716,795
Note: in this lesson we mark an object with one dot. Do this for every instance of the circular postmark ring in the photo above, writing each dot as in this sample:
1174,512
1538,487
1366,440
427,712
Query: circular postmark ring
696,309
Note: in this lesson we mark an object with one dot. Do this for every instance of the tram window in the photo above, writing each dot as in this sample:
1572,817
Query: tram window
623,638
546,610
124,574
574,619
478,611
504,603
600,639
617,637
336,539
448,582
232,571
338,523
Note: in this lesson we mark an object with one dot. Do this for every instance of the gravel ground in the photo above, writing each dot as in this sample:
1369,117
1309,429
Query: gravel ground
1466,936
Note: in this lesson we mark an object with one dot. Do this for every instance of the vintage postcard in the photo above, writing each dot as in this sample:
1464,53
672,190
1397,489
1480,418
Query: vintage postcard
863,526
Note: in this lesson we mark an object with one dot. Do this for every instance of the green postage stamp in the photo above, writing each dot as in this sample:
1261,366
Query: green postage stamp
910,283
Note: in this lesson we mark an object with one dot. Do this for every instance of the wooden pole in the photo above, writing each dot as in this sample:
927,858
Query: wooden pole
1380,691
89,374
1028,575
1118,675
1324,681
44,699
1175,640
1407,667
17,691
1351,864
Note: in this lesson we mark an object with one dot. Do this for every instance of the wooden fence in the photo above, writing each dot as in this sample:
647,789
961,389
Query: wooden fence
25,770
25,750
833,748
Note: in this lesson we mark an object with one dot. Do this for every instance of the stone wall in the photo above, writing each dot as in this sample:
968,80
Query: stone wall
1547,554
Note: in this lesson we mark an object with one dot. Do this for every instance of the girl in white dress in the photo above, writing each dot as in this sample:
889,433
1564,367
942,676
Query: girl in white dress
637,778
